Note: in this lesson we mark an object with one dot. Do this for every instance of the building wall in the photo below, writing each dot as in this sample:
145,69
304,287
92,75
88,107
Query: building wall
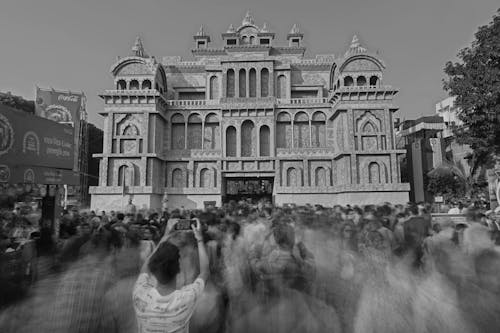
321,123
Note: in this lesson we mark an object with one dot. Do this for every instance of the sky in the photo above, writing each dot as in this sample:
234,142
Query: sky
72,44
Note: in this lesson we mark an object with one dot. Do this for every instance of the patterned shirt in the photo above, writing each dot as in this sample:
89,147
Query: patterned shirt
170,313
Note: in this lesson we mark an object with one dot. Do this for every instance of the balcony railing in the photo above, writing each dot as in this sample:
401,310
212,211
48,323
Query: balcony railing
192,102
294,101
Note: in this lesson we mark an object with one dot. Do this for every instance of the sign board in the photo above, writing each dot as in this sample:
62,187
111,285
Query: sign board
14,174
438,199
58,106
29,140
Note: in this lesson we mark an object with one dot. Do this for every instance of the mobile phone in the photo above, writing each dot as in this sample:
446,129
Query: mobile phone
184,224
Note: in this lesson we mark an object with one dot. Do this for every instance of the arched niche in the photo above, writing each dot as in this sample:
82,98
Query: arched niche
178,130
230,83
318,129
231,141
247,138
194,138
265,141
211,138
301,134
283,130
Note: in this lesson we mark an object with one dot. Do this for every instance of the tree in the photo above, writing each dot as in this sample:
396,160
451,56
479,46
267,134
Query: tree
448,185
475,81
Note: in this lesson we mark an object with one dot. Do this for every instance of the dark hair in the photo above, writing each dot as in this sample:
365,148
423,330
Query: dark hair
164,263
120,216
413,209
284,235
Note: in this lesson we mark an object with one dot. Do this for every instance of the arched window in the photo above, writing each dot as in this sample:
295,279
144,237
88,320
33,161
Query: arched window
178,180
214,88
283,130
361,81
231,141
205,178
146,84
123,176
252,40
252,78
374,173
121,85
320,177
301,130
318,129
264,82
212,132
130,130
243,82
264,138
348,81
230,83
281,86
247,141
178,138
134,85
374,80
244,40
194,130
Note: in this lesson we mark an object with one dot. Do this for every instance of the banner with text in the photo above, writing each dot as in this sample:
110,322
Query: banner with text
29,140
14,174
59,106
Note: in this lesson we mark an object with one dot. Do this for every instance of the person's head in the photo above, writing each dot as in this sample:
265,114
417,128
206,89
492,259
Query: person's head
164,263
413,210
120,217
460,205
130,201
284,235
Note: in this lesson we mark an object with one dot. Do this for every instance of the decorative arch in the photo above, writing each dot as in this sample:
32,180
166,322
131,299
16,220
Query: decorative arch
178,131
127,175
247,138
146,84
231,141
121,85
214,87
374,176
281,87
348,81
130,130
194,130
293,177
284,130
212,132
368,117
301,134
265,141
378,64
361,81
374,80
320,177
133,85
230,83
318,129
31,143
205,177
242,82
252,82
333,75
179,179
264,82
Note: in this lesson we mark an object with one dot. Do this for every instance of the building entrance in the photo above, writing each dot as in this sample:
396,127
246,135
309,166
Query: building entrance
253,188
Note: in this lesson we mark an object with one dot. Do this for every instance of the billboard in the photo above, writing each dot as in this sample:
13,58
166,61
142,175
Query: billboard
58,106
28,174
29,140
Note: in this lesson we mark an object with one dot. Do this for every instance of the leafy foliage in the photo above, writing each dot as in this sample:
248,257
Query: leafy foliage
450,186
17,102
475,81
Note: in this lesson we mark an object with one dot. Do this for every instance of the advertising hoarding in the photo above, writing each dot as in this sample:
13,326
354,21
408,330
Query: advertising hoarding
28,140
58,106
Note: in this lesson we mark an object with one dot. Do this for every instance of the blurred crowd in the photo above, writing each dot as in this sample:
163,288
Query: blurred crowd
376,268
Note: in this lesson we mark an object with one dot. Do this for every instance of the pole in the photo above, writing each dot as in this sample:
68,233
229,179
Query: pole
65,196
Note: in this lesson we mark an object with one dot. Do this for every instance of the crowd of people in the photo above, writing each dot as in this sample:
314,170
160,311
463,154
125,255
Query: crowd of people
256,267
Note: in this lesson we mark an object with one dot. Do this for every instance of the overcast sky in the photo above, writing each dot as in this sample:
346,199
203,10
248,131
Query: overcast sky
71,44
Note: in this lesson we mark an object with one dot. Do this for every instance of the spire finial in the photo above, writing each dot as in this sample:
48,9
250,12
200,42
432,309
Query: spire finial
231,28
264,28
248,19
355,46
138,49
201,32
295,29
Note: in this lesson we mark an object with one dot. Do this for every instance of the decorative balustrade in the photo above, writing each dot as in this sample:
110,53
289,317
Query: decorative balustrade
127,92
294,101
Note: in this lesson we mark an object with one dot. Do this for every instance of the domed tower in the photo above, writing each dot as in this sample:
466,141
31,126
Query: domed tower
134,119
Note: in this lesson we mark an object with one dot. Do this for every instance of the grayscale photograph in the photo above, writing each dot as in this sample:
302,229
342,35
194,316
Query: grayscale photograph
238,166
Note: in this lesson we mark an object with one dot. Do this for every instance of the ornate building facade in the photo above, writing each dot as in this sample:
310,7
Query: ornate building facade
253,118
